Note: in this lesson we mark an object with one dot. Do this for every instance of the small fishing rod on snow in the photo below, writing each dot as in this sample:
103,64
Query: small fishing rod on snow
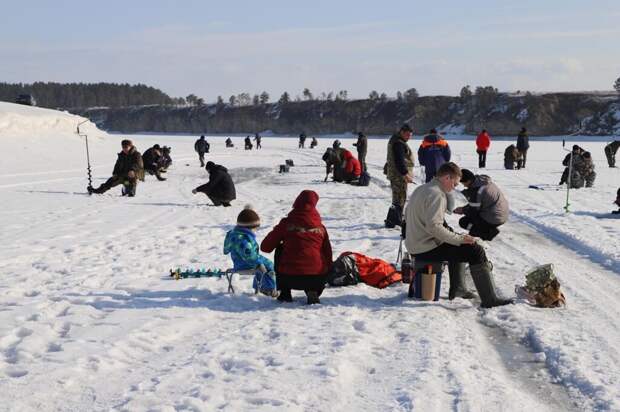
85,136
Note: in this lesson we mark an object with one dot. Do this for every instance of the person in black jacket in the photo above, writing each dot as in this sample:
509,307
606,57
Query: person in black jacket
128,169
201,147
220,188
362,149
523,145
153,161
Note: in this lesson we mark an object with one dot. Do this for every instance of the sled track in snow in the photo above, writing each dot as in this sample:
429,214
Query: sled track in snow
568,241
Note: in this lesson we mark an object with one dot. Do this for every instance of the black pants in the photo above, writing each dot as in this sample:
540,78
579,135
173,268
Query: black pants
218,201
521,162
301,282
130,185
479,227
362,158
472,254
201,157
482,158
611,157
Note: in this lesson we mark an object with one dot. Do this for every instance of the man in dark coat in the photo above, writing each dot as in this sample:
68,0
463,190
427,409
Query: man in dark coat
575,153
229,142
153,161
399,170
127,170
487,208
201,146
511,155
248,143
362,149
220,187
302,140
257,139
610,152
433,152
523,145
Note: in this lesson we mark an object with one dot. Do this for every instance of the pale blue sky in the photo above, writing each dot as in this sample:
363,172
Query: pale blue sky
212,48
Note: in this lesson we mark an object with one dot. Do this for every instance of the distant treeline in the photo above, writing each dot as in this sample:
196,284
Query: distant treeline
73,95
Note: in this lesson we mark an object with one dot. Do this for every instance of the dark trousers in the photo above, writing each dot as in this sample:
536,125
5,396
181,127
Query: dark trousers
521,161
472,254
307,283
129,183
478,227
482,158
362,158
201,157
611,156
217,201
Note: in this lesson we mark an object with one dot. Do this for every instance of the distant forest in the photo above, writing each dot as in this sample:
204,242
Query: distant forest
77,95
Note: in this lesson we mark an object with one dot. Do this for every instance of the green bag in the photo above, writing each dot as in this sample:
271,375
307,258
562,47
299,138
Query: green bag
539,278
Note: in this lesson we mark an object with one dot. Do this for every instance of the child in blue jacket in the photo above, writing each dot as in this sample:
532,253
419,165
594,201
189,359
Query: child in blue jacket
241,243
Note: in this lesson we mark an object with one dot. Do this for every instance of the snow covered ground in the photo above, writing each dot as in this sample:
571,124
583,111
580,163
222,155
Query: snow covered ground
89,319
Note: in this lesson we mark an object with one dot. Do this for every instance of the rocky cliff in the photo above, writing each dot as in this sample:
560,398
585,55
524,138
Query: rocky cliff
501,114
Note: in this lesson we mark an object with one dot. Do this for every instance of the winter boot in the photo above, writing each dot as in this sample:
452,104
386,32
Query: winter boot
285,295
483,279
394,217
313,297
456,270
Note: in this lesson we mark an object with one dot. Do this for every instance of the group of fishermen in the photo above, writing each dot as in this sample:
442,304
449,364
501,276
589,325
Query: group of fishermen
131,166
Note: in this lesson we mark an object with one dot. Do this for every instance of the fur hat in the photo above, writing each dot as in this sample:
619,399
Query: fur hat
126,142
248,217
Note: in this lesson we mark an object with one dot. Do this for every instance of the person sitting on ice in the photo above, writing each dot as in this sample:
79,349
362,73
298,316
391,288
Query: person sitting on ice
427,238
220,188
152,159
617,202
303,251
511,156
229,142
582,173
487,208
248,143
240,243
313,143
352,167
574,154
128,169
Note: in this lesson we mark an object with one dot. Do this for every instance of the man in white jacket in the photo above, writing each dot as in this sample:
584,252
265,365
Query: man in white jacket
428,238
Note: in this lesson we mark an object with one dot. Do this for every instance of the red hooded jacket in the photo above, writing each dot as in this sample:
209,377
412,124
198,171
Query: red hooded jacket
305,243
352,165
483,141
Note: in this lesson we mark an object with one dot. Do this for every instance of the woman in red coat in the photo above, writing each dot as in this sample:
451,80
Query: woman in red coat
483,141
303,252
352,167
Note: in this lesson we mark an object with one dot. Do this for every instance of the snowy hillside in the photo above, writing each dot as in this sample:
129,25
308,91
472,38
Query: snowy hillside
89,319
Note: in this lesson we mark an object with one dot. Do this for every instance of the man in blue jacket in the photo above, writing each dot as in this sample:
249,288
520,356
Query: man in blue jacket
433,152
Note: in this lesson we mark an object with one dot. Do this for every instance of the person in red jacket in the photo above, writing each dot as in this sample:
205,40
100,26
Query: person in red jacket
303,253
352,167
483,141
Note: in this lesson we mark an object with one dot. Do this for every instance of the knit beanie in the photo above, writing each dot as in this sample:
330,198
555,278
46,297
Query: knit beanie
248,218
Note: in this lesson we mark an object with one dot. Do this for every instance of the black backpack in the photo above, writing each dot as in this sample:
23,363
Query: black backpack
343,272
364,179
